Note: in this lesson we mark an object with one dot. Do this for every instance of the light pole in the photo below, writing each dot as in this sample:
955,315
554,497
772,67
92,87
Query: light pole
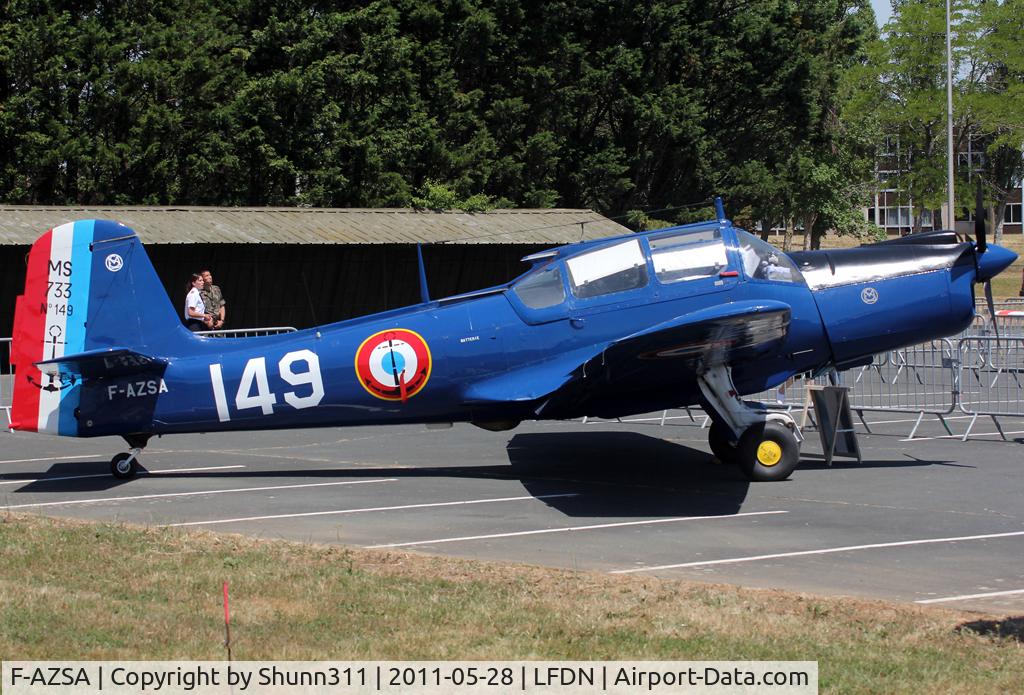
951,215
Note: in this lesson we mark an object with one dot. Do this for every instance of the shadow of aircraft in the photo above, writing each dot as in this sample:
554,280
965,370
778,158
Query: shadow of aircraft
611,473
1007,628
816,462
68,476
604,474
624,474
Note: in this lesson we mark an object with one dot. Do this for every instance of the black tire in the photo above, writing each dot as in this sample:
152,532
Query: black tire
768,452
718,439
122,468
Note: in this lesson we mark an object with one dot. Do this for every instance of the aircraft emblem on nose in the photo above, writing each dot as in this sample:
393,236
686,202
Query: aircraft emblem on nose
869,295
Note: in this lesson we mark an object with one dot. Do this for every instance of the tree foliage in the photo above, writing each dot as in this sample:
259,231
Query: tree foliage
902,100
611,105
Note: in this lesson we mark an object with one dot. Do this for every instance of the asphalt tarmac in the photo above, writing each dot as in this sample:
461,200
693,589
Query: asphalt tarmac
935,520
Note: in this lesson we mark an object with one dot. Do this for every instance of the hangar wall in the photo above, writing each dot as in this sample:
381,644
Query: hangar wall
308,284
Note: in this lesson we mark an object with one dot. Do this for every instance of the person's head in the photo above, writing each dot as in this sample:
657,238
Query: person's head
195,280
207,277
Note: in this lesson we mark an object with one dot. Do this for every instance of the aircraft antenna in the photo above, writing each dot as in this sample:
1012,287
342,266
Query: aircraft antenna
719,209
424,293
309,298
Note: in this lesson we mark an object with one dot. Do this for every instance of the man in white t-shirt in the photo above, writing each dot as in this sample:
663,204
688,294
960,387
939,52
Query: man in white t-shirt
196,318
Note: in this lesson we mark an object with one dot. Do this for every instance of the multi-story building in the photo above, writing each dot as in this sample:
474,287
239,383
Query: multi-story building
893,209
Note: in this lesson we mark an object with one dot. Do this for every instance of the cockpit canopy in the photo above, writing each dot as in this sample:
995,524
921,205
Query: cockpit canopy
687,254
762,261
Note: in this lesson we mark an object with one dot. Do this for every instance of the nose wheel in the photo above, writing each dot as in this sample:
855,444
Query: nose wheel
768,451
765,445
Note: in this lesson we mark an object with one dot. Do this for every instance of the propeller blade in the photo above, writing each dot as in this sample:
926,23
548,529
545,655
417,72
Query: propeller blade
979,219
991,308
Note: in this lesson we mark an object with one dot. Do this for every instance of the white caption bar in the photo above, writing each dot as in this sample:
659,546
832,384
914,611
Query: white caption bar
416,677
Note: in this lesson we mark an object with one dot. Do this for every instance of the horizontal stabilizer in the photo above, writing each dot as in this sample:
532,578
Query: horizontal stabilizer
107,362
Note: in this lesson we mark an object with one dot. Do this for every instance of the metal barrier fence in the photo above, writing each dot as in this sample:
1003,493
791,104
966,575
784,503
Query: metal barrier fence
917,379
1009,318
247,332
977,374
992,376
921,378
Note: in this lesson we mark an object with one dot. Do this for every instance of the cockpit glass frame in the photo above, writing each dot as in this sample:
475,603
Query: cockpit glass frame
607,270
541,288
691,254
763,262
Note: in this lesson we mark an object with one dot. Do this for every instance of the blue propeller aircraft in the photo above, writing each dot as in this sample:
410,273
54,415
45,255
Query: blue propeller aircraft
698,314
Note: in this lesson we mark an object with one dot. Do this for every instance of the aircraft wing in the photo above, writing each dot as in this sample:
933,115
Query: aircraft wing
716,335
732,333
528,383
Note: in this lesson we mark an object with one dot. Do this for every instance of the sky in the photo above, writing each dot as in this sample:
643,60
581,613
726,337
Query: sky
883,9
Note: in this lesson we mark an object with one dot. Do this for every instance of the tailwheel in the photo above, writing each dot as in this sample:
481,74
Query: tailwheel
719,439
125,465
768,451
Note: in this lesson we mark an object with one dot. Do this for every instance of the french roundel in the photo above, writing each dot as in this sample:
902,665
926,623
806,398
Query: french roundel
393,365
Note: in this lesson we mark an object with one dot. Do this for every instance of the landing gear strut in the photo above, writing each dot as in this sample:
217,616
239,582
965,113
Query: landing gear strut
125,465
765,445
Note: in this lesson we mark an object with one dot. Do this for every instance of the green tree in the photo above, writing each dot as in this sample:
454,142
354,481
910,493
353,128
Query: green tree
613,105
904,97
994,99
805,162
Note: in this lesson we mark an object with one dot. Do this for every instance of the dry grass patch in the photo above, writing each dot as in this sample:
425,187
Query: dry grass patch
79,590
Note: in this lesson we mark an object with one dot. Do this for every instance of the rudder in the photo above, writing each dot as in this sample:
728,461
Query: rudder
89,285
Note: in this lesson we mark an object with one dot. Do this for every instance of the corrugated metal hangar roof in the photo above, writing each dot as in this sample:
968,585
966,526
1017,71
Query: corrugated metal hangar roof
22,224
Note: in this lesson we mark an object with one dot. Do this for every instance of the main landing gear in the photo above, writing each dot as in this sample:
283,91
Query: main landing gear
125,465
765,445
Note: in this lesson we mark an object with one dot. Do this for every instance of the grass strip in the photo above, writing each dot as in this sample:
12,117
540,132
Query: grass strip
82,590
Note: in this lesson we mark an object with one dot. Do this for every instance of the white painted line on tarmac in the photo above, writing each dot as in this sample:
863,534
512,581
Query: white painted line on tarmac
195,493
573,528
914,419
970,596
425,505
18,481
190,470
960,436
56,458
15,481
823,551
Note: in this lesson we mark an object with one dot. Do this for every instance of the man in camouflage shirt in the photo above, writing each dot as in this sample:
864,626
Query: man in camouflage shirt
213,300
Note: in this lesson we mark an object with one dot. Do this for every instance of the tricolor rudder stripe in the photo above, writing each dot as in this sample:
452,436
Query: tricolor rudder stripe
50,322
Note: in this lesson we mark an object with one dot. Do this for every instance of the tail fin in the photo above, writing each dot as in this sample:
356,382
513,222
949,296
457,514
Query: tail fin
89,286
